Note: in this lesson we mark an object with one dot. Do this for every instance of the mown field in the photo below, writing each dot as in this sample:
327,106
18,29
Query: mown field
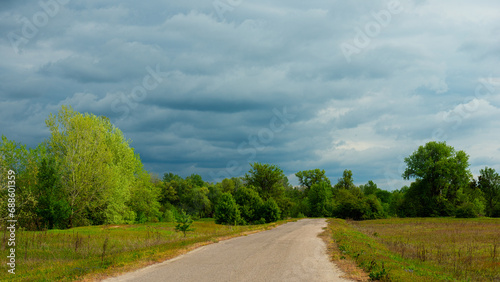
418,249
92,252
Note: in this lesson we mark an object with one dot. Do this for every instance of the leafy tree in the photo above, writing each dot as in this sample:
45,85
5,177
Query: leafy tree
25,162
184,222
249,203
143,200
98,167
169,176
227,186
270,211
226,211
440,173
369,188
267,179
307,178
52,206
346,182
320,199
489,183
350,205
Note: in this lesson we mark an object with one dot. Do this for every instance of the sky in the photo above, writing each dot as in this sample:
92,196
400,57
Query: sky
208,87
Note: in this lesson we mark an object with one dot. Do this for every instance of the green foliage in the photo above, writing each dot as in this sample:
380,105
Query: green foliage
249,203
226,211
308,178
320,200
346,182
184,222
441,174
52,206
270,211
98,168
489,183
267,179
466,210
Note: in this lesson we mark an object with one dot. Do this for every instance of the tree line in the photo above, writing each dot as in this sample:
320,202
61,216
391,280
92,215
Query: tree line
87,173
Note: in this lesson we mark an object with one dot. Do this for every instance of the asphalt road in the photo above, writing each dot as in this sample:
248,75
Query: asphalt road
290,252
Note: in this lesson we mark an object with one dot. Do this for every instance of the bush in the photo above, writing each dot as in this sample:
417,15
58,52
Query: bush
249,203
270,211
467,210
226,211
350,206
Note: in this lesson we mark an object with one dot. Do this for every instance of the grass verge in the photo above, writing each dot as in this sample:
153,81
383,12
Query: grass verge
430,249
95,252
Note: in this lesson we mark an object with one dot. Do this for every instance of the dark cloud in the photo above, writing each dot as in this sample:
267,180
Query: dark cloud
200,90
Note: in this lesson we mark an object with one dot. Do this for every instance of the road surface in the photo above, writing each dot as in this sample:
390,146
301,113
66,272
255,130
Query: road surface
290,252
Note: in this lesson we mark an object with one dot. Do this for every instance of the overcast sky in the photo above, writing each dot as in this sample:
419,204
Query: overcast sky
208,86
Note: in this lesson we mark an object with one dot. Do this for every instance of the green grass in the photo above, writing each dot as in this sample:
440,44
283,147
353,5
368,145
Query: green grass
92,252
418,249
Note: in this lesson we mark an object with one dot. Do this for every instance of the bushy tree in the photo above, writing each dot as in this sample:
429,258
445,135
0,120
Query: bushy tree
52,206
441,173
350,205
320,200
249,203
267,179
489,183
270,211
307,178
226,211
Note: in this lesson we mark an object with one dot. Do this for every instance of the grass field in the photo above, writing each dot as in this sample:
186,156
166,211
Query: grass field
88,253
418,249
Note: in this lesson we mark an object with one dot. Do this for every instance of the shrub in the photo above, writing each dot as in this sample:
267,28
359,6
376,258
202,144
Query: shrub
270,211
226,211
249,203
467,210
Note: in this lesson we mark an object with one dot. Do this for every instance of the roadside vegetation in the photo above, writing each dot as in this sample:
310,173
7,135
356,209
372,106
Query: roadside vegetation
94,252
87,175
418,249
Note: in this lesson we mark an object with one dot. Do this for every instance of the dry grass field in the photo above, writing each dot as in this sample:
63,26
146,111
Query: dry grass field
421,249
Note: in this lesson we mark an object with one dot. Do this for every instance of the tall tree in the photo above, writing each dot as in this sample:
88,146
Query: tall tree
489,183
52,205
267,179
346,182
97,165
320,199
307,178
441,173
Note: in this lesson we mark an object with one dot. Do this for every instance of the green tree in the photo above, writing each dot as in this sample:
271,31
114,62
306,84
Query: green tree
307,178
25,162
346,182
98,167
267,179
441,173
226,211
489,183
270,211
249,203
52,206
184,222
320,199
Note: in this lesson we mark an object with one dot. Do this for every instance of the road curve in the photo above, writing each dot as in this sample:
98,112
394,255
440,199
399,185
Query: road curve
290,252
